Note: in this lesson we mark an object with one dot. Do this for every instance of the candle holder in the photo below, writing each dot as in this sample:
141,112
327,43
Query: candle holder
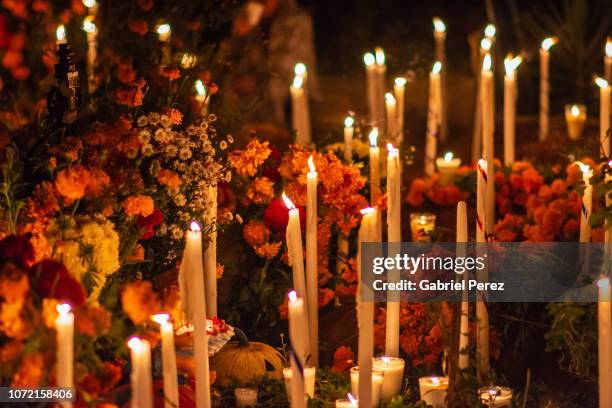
575,117
494,396
432,390
350,402
246,397
447,168
377,380
421,226
309,381
393,375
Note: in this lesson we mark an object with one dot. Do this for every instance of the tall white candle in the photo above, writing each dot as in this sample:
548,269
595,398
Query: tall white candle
300,115
299,348
210,255
293,236
440,54
433,119
608,233
485,47
312,281
399,89
394,237
202,98
365,311
547,43
510,95
166,330
89,26
164,33
604,114
464,330
371,86
349,130
604,325
381,71
587,203
141,376
482,315
608,60
374,167
391,117
488,147
481,199
64,365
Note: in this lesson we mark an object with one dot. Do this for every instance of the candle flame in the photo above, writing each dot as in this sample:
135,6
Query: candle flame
512,63
288,202
600,82
603,282
349,121
435,381
60,33
367,210
298,81
161,318
436,68
163,29
352,399
194,227
584,168
134,343
389,97
549,42
482,163
486,63
485,44
575,110
373,137
380,56
89,26
200,88
400,81
448,156
368,59
293,296
89,3
299,69
490,31
610,164
311,165
439,25
63,309
392,150
609,47
386,360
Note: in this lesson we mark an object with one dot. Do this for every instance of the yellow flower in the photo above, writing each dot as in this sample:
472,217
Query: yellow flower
261,191
138,205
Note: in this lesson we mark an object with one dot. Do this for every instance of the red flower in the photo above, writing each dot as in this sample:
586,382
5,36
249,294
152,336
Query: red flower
18,250
276,216
271,165
148,224
51,279
344,359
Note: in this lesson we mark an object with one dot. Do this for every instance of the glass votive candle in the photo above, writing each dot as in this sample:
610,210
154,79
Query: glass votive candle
447,168
309,380
350,402
575,117
433,390
494,396
377,380
245,397
421,225
393,376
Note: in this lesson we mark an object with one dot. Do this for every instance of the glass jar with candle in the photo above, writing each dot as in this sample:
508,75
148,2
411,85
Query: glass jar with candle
421,226
575,117
393,376
494,396
377,380
447,168
309,380
433,390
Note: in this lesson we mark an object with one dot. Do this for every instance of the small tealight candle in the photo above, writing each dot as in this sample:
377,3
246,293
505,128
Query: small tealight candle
393,375
245,397
377,380
60,34
575,116
350,402
433,390
421,224
447,168
495,397
309,380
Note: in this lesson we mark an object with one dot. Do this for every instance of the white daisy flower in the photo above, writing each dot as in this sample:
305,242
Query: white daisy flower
142,121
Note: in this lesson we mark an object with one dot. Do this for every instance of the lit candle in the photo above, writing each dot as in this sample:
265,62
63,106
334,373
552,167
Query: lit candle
60,35
377,380
608,60
394,236
293,236
587,203
64,365
604,334
433,118
300,116
482,234
575,117
604,114
92,6
432,390
381,70
141,376
89,26
440,55
202,98
495,397
510,95
488,147
447,168
312,277
485,47
489,31
168,360
193,299
608,234
393,375
374,167
464,330
348,138
399,89
547,43
391,118
300,70
309,380
350,402
368,232
421,226
299,348
245,397
210,254
371,86
164,32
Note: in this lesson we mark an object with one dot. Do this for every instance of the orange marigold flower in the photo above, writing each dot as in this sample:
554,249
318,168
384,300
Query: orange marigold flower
72,182
176,117
139,301
169,179
12,59
261,191
14,285
12,321
132,96
325,296
93,321
139,27
268,250
142,205
344,359
171,73
49,312
418,187
30,372
220,271
246,161
255,233
97,182
125,73
10,351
